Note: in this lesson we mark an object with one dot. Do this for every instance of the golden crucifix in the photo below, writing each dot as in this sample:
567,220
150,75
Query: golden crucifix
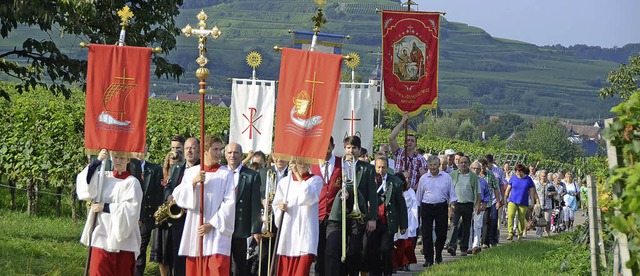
202,73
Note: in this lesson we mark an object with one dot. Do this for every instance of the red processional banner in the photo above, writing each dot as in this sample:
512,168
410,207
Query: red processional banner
306,104
410,60
117,98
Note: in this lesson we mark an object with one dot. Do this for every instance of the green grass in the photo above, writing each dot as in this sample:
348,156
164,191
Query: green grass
43,246
518,258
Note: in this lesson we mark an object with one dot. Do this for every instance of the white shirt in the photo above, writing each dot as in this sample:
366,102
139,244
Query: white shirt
117,230
300,227
219,211
331,163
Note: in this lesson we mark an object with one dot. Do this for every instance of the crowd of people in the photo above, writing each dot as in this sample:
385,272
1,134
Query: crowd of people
344,215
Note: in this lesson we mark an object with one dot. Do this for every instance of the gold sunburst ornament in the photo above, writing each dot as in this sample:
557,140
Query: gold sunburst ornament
254,59
320,3
354,61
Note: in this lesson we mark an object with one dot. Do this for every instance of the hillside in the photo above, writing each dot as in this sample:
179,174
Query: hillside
504,75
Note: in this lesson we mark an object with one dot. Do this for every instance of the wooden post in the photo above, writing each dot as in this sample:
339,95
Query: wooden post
594,238
620,247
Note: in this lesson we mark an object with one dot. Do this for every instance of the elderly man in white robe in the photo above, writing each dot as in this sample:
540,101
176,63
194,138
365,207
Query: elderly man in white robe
219,213
115,237
297,200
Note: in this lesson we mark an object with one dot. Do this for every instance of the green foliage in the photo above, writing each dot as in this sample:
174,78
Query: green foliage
503,127
466,131
475,114
624,81
548,138
44,62
624,181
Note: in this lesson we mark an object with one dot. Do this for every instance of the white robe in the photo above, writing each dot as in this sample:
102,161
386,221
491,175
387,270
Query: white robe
412,213
117,230
219,211
300,227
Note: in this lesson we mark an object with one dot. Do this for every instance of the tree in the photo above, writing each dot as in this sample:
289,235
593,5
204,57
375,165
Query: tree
624,82
504,126
476,114
548,138
41,62
466,131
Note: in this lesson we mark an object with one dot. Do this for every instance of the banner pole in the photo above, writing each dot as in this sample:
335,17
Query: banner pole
125,15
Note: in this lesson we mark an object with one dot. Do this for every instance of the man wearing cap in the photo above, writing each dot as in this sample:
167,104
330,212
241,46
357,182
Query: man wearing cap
449,153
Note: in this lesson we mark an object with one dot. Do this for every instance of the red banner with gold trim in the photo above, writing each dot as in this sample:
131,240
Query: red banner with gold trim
117,98
410,60
306,104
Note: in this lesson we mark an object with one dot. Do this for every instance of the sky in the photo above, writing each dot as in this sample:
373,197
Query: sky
605,23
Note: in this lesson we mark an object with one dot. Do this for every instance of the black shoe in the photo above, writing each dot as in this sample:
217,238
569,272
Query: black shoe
427,264
451,251
439,259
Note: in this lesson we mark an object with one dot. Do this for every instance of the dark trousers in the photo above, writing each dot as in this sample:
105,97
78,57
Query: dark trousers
322,245
462,211
494,232
179,262
430,213
378,251
333,250
239,257
485,227
145,235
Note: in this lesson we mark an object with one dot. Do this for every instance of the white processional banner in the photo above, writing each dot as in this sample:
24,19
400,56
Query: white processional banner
354,115
252,113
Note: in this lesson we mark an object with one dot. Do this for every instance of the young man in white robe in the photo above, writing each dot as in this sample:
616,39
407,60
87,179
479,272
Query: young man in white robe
219,213
296,199
115,236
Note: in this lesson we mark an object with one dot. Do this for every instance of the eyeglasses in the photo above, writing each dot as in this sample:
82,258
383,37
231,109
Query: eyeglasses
475,168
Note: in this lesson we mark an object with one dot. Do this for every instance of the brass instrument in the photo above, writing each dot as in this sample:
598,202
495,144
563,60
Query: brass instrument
267,214
349,179
168,210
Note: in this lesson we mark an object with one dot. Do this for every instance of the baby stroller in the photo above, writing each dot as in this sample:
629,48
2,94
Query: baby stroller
557,220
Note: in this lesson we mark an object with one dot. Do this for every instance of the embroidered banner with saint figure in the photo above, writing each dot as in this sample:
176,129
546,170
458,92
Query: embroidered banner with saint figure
410,60
306,104
117,98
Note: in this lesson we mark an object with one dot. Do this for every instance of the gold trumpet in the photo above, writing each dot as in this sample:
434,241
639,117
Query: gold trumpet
168,210
349,180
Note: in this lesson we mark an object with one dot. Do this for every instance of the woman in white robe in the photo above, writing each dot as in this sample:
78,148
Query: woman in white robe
296,199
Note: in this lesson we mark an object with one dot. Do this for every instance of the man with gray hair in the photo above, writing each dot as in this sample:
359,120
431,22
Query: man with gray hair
386,150
435,193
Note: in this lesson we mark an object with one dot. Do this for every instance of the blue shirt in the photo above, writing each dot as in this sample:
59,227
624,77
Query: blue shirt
520,189
485,193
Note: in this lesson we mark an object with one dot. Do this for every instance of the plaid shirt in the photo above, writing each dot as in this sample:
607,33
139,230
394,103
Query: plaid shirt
416,163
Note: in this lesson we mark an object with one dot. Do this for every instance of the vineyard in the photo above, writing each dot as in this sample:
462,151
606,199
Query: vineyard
43,147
